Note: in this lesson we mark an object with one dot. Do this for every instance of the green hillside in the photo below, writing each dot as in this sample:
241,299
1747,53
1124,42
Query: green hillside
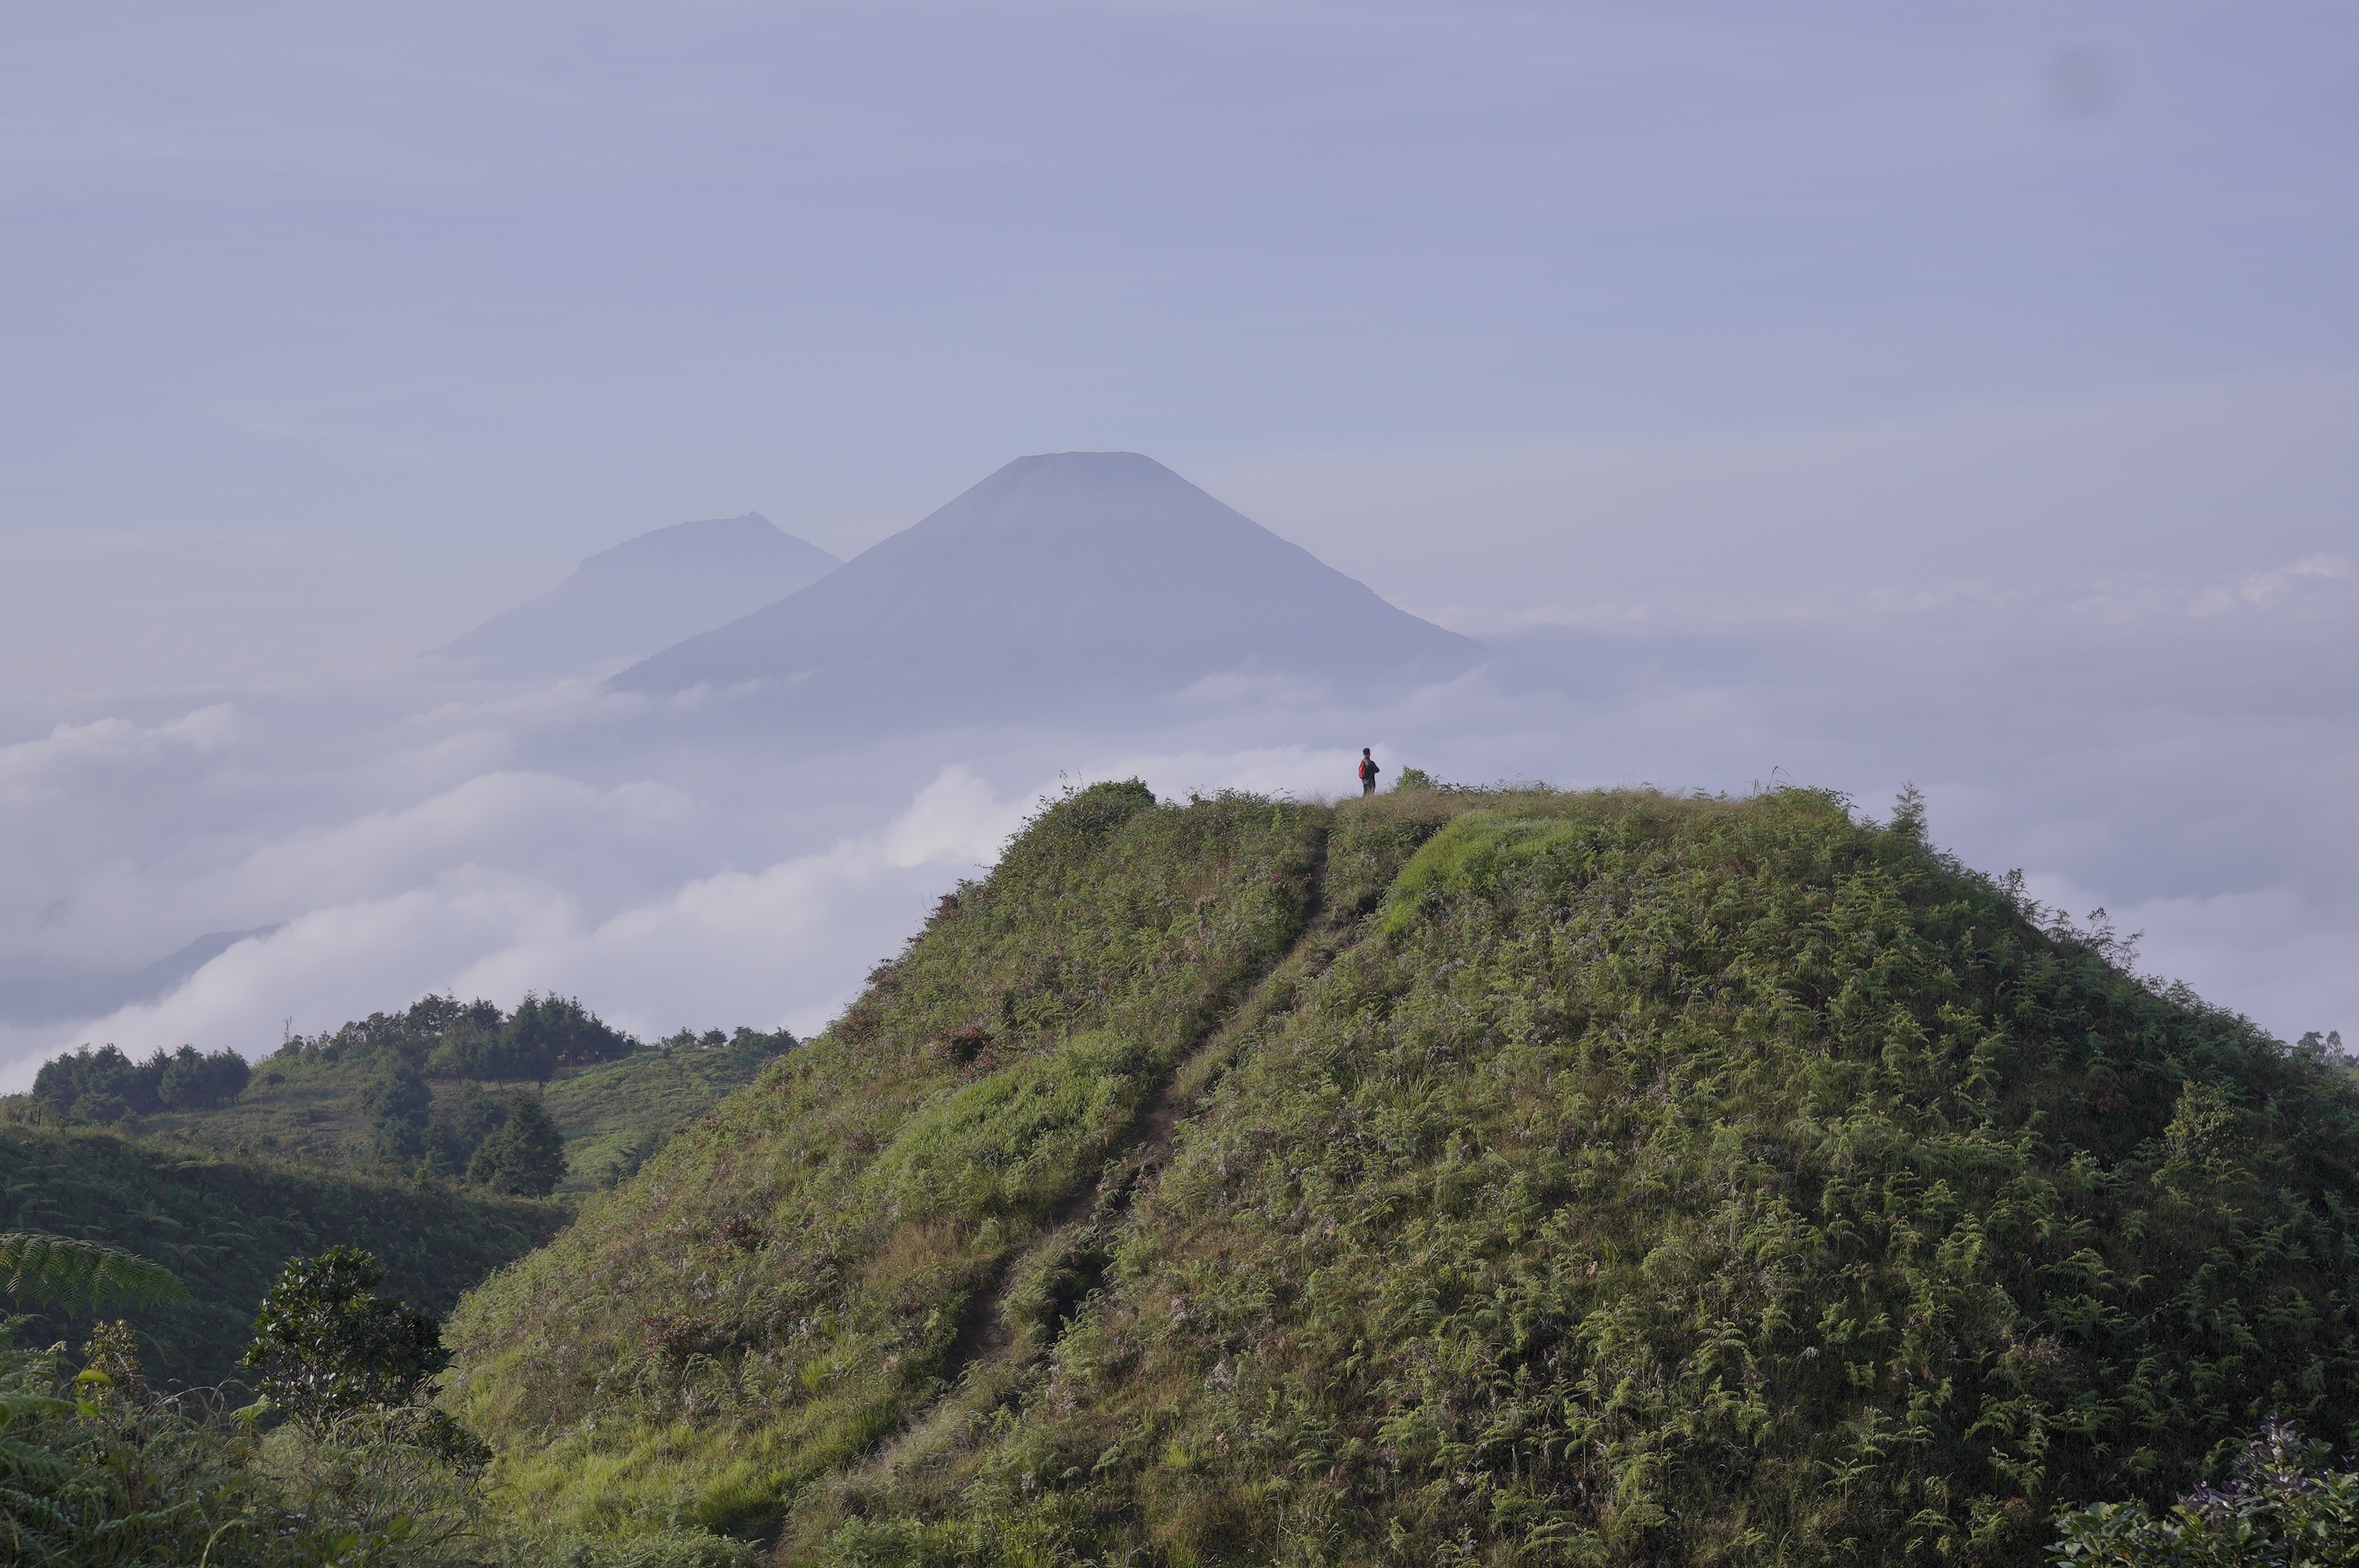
1451,1176
226,1225
396,1093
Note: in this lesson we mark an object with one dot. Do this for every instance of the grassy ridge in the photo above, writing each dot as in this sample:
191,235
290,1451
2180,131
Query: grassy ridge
1455,1176
226,1225
801,1273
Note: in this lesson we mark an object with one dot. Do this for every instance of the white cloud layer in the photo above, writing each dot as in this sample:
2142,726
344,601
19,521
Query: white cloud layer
460,894
2178,751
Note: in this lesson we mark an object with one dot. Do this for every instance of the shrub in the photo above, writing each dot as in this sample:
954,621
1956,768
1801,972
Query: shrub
2284,1505
327,1347
98,1470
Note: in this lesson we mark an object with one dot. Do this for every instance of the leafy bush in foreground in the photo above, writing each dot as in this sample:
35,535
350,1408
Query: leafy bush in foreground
2285,1506
97,1469
327,1346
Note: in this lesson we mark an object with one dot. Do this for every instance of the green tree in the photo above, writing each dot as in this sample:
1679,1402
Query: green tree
459,1127
398,1103
327,1346
472,1046
526,1156
102,1085
194,1081
547,1032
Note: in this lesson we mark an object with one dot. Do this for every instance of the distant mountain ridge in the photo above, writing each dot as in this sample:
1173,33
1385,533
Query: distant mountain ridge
46,999
1062,577
646,593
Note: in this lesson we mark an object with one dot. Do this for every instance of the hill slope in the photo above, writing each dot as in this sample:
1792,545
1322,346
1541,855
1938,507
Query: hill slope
227,1225
396,1093
302,1106
646,593
1063,577
1445,1177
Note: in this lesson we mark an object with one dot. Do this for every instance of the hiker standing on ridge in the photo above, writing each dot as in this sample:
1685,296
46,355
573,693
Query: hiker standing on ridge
1369,772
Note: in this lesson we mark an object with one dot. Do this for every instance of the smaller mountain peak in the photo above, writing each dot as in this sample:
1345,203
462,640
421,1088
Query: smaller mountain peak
648,591
714,541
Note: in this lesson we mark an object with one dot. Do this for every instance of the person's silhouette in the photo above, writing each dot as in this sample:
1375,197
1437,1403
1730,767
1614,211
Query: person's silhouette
1369,772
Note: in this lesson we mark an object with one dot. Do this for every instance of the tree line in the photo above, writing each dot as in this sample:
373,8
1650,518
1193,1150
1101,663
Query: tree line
443,1037
105,1085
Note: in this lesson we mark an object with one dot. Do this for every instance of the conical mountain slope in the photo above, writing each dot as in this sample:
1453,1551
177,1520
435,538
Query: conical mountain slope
646,594
1059,577
1511,1178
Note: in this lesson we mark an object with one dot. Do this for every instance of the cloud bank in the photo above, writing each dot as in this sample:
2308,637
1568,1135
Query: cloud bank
2178,750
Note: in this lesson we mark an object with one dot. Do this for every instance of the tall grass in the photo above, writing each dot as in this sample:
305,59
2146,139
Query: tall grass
802,1274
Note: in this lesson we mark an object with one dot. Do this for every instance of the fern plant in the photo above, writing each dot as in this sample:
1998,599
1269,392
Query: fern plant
36,1265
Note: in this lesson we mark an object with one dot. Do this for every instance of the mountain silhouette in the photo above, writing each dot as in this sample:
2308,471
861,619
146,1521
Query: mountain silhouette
646,594
1059,579
43,999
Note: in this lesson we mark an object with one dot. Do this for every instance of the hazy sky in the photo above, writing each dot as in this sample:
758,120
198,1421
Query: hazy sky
403,309
1968,393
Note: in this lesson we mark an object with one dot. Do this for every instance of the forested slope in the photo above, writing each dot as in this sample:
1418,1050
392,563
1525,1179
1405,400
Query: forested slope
418,1092
1524,1177
226,1225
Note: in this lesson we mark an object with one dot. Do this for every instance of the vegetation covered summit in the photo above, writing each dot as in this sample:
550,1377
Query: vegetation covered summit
1513,1177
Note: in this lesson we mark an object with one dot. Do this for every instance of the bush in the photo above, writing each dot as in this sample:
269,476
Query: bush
97,1470
2284,1505
327,1347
